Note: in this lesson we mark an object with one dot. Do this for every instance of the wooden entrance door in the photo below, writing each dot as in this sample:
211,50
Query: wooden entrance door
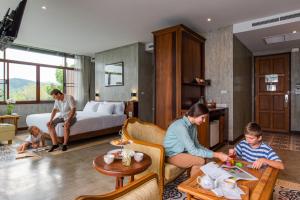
272,86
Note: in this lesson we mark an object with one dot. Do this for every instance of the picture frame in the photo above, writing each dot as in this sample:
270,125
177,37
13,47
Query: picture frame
114,74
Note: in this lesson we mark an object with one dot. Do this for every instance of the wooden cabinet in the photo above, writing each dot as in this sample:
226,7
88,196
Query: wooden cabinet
132,108
179,59
204,133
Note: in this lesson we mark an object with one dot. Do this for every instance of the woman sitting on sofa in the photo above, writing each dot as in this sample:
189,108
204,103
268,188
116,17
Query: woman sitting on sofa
181,143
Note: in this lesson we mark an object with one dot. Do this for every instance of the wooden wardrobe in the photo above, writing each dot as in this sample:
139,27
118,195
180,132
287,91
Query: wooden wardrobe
179,59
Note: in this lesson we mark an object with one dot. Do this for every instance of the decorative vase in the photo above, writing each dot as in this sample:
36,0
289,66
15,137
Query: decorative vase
9,109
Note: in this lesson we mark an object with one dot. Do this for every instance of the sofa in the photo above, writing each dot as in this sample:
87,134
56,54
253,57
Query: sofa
148,138
145,188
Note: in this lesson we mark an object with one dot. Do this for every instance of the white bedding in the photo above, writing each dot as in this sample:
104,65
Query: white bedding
86,122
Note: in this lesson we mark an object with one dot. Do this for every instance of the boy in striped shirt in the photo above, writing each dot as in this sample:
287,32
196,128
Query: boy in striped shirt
253,150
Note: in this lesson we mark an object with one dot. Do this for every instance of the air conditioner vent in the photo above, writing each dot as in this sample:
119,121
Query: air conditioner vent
290,16
265,22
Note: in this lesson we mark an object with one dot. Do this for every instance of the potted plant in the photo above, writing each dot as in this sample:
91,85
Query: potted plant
10,106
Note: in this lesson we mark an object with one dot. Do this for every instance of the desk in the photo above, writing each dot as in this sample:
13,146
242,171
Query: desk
262,189
118,170
13,118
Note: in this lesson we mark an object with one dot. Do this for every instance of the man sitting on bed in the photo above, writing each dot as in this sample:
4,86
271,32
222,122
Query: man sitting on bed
65,104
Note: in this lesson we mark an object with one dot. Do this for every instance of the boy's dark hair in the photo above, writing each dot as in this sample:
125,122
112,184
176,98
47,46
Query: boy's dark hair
196,110
55,92
253,128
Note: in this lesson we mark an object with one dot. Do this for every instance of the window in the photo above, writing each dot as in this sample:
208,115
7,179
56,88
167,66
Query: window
29,56
70,62
70,85
22,82
50,78
2,82
29,75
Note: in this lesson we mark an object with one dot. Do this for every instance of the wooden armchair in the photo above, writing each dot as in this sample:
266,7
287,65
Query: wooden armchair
145,188
148,138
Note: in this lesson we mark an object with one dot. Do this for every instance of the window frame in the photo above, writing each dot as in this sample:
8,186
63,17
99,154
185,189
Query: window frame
6,63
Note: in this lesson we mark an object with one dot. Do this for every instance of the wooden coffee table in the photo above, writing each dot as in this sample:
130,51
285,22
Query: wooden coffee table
262,189
118,170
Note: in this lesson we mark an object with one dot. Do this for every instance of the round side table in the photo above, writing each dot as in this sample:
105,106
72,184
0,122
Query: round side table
118,170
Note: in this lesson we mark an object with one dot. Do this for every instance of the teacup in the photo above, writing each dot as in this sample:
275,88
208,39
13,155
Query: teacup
109,158
138,157
229,184
206,182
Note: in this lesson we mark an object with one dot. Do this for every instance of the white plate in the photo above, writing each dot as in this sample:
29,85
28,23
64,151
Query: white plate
113,142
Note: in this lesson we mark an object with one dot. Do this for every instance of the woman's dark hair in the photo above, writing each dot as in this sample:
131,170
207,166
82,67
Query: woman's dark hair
55,92
196,110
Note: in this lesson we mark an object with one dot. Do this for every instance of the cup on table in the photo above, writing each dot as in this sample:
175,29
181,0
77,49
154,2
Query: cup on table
138,157
108,158
229,184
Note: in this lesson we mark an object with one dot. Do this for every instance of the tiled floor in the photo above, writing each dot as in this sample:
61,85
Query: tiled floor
282,141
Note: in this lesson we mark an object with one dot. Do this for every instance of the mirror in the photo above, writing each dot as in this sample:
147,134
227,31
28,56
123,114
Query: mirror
114,74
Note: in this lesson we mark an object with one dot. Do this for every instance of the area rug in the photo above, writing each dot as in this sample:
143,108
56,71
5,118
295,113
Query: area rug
73,146
284,190
9,153
282,141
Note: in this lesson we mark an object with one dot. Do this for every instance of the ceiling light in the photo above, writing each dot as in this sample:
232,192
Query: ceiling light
209,19
294,31
44,7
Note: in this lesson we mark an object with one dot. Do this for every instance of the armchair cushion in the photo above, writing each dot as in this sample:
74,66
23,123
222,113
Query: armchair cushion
171,172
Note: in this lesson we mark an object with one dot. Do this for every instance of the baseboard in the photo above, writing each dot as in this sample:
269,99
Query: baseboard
233,142
295,132
22,128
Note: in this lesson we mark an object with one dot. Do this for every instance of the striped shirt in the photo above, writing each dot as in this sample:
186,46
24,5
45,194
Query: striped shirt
245,152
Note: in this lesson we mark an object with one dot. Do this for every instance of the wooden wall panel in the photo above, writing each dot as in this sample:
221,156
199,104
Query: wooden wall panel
164,71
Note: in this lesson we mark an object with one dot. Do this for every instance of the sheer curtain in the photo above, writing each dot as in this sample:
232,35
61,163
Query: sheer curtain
82,80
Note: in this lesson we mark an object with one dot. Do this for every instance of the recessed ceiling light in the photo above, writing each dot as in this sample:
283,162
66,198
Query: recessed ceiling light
294,31
44,7
209,19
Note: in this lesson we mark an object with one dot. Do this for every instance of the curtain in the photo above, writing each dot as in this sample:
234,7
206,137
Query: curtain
83,88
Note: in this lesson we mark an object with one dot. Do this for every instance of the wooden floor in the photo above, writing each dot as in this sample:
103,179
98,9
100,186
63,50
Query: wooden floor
68,175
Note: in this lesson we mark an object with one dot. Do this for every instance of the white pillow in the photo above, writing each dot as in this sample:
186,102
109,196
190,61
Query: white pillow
106,109
119,107
91,106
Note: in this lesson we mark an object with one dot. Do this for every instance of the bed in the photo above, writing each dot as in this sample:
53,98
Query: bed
95,119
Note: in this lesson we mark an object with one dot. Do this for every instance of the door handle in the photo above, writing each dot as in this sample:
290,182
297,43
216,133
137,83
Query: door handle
286,100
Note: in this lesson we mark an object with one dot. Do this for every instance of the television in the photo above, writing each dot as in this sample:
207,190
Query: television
10,25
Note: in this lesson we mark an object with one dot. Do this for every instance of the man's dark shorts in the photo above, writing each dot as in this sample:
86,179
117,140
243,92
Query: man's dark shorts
61,120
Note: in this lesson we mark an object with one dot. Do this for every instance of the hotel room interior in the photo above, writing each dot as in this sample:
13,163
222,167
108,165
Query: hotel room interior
133,67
